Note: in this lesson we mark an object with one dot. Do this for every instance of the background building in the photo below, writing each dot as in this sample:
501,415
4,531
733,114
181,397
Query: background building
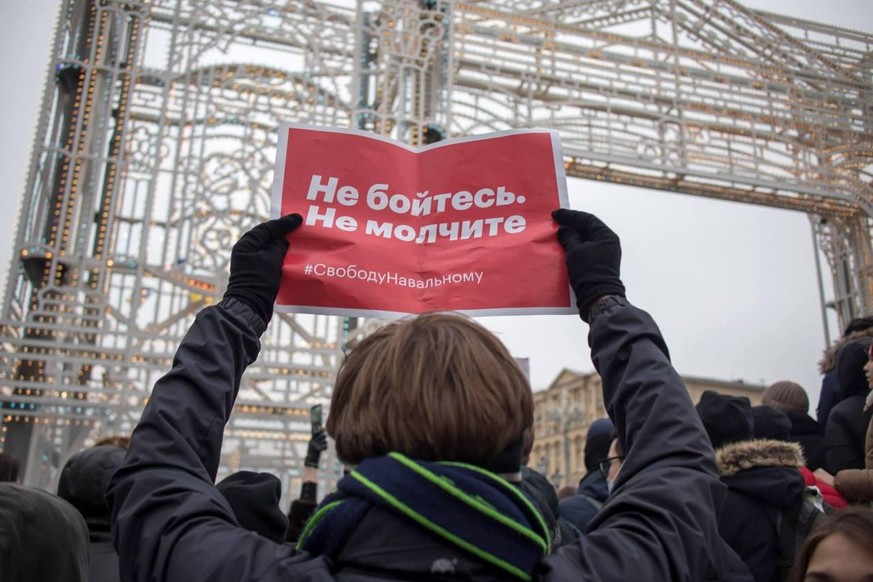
564,410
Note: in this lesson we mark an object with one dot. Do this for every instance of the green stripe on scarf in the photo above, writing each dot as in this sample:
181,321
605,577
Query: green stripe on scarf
442,532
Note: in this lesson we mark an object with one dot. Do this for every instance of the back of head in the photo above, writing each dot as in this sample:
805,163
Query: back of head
42,537
727,419
771,423
254,499
84,480
9,468
786,396
597,441
438,387
850,362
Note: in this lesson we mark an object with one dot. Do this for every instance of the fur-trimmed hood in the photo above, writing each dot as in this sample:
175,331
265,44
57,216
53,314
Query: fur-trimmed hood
767,471
829,358
743,455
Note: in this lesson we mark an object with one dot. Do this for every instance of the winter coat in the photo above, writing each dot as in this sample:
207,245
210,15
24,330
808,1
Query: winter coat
847,424
830,391
810,435
172,524
857,484
763,479
42,537
580,508
83,484
846,435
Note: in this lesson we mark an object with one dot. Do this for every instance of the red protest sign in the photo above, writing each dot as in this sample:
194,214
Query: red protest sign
460,225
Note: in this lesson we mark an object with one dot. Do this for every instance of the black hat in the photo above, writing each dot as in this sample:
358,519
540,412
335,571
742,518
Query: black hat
254,499
597,442
771,423
727,419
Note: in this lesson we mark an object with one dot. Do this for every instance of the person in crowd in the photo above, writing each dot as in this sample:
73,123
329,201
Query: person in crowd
857,484
304,506
254,499
591,493
829,394
9,468
792,399
83,483
764,484
429,415
42,537
839,550
770,423
847,425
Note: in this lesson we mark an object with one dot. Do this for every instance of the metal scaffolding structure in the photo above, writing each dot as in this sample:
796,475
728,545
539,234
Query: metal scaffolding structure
155,148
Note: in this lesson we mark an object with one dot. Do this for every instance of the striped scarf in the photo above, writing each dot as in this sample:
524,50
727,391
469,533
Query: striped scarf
464,505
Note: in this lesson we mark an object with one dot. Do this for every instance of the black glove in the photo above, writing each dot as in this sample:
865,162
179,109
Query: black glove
256,264
593,255
317,444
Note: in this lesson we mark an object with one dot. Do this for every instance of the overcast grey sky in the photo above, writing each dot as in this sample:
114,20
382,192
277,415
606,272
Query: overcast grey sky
733,287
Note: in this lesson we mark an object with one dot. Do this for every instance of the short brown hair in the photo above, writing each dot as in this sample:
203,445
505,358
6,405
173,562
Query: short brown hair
438,387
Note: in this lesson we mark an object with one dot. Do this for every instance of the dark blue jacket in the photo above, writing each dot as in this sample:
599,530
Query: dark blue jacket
171,523
580,508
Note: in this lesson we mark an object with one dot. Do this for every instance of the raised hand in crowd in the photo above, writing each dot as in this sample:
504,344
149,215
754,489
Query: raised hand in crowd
317,445
256,264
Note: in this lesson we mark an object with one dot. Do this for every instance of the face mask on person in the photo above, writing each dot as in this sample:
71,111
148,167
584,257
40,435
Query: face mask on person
610,485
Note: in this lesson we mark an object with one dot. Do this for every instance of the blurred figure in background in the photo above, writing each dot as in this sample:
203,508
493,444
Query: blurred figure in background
829,395
9,468
765,503
847,425
791,398
42,537
591,493
857,484
83,483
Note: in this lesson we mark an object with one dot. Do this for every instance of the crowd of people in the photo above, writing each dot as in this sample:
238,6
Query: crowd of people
432,418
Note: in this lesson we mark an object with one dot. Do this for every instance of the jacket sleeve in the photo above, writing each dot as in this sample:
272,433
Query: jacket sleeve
842,448
170,523
857,484
660,522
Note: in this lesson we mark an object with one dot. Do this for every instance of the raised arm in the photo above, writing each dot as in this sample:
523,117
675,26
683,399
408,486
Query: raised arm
169,521
660,522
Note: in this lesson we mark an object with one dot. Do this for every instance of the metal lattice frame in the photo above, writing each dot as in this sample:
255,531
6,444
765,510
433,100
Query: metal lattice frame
155,150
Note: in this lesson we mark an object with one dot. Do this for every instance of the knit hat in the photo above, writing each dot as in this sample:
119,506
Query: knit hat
254,499
771,423
727,419
787,397
597,442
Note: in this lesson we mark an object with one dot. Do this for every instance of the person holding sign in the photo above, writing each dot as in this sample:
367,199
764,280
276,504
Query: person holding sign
429,414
